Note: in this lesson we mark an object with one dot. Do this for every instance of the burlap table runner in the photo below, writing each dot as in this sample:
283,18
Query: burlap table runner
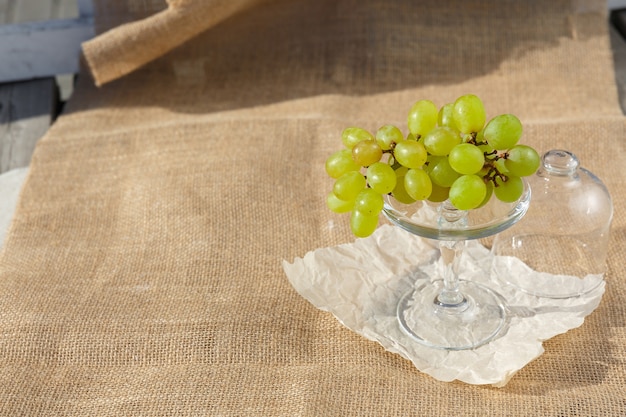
142,272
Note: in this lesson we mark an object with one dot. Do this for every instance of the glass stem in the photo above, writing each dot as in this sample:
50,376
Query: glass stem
451,252
450,299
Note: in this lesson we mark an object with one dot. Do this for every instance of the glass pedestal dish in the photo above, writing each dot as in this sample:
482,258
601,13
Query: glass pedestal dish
443,311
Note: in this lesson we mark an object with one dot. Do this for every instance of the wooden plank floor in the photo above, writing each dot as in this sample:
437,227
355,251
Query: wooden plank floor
27,108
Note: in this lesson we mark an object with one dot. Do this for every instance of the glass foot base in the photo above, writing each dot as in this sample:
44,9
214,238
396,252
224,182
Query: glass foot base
479,319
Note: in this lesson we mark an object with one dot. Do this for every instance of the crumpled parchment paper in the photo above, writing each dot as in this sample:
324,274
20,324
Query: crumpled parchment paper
360,284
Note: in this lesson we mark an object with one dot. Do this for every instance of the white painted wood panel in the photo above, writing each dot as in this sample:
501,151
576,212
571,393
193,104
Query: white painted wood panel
41,38
41,49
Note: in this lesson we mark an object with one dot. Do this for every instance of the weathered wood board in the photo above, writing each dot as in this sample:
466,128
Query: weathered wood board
27,109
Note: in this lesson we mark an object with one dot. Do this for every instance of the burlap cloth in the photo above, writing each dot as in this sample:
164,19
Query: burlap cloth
142,272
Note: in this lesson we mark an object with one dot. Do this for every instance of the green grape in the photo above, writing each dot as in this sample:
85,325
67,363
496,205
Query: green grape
522,161
349,185
422,117
431,162
410,154
486,149
500,165
339,163
393,163
362,225
489,186
412,137
503,131
444,118
485,171
439,194
399,192
466,158
369,202
417,184
510,190
467,192
353,135
367,152
441,140
387,135
401,172
381,177
337,205
469,114
480,136
442,174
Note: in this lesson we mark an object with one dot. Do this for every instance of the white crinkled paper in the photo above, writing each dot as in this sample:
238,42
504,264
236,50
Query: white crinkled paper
360,284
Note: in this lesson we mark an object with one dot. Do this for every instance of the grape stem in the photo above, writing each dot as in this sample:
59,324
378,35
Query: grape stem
494,173
471,138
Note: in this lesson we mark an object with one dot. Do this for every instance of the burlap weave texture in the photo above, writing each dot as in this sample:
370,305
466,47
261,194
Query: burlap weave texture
142,273
121,50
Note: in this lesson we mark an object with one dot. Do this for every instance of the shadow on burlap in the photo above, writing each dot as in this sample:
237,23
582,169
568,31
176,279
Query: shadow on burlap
142,272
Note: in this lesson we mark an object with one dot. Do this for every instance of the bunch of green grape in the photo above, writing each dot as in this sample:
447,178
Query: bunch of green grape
450,153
